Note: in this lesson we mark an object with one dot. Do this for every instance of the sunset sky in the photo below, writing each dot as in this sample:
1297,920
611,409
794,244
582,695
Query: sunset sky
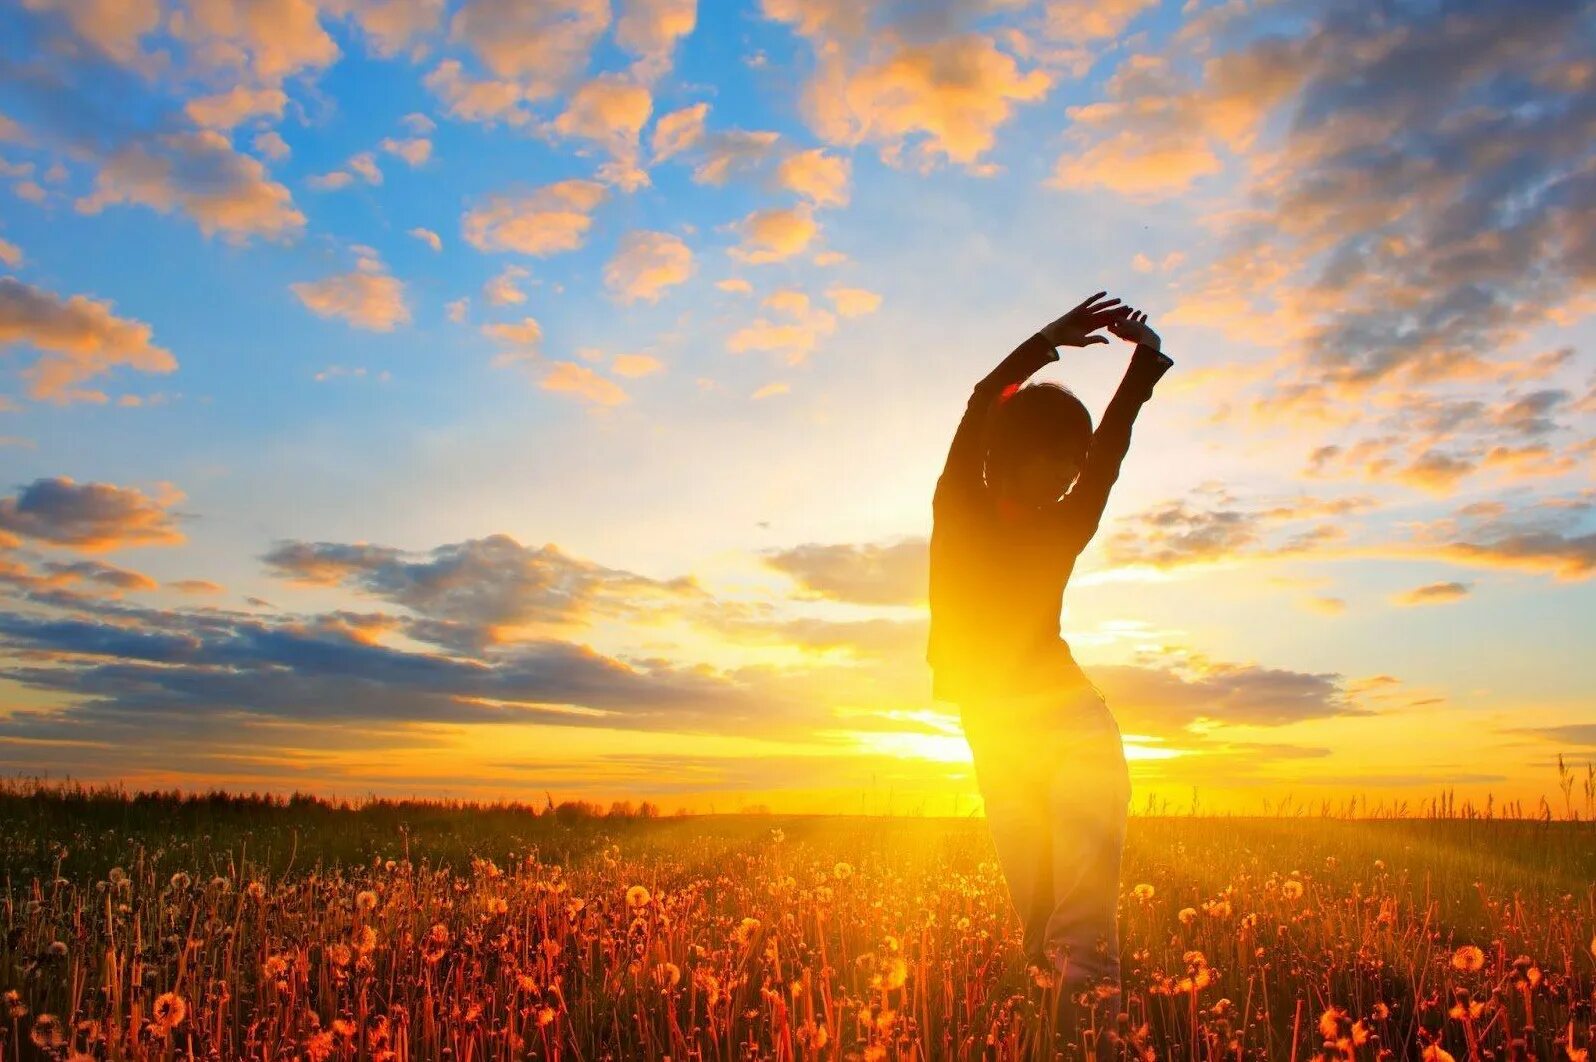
492,398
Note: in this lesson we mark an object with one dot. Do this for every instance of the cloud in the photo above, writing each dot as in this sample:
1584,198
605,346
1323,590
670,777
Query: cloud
523,338
937,94
391,26
106,578
610,111
367,297
573,378
272,145
1550,537
542,46
1432,593
775,234
1178,532
646,263
818,177
678,131
854,302
239,103
428,237
650,29
796,329
501,290
271,39
546,221
331,181
10,254
200,174
494,583
93,517
732,152
1581,734
1409,198
115,27
415,150
633,365
79,338
477,99
1084,21
892,573
1164,693
196,586
189,670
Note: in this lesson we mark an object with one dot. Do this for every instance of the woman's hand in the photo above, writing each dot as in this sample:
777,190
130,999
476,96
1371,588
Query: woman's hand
1075,328
1133,327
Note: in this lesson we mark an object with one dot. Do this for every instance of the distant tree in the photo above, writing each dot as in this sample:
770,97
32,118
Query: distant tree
621,809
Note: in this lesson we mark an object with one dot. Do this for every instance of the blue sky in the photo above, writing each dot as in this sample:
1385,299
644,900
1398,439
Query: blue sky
767,249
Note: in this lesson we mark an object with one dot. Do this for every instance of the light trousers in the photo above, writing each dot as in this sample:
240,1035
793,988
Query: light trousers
1057,791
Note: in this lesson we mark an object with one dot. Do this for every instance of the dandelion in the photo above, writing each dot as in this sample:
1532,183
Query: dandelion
1292,889
746,929
256,891
180,881
320,1046
1187,915
1468,958
435,943
48,1033
844,871
668,974
777,835
58,949
1143,892
338,954
365,899
545,1015
169,1010
897,973
637,896
551,947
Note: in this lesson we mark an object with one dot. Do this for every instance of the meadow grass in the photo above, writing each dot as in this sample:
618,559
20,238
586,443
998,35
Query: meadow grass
220,927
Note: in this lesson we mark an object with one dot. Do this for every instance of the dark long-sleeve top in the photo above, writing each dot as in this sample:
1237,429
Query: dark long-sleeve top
997,574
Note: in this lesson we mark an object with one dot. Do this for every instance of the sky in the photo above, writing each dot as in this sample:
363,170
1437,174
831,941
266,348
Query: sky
543,401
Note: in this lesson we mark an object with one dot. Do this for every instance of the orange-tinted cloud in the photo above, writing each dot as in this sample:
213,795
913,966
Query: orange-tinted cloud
1432,594
892,573
574,378
546,221
223,110
886,81
368,297
199,173
819,177
541,46
92,517
646,264
776,234
79,338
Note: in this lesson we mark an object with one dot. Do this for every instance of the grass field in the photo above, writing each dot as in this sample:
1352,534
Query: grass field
229,928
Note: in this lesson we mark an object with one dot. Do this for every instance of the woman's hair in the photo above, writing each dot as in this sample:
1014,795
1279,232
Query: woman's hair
1038,418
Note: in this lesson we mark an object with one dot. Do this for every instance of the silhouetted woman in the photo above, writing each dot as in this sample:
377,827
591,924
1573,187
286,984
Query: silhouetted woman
1007,527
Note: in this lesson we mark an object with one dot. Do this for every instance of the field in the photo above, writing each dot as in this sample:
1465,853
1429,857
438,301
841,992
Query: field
234,928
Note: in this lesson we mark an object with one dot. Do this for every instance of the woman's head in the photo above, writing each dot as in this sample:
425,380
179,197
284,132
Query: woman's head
1037,443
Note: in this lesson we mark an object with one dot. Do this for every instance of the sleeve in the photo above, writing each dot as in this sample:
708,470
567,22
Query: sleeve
962,473
1079,512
